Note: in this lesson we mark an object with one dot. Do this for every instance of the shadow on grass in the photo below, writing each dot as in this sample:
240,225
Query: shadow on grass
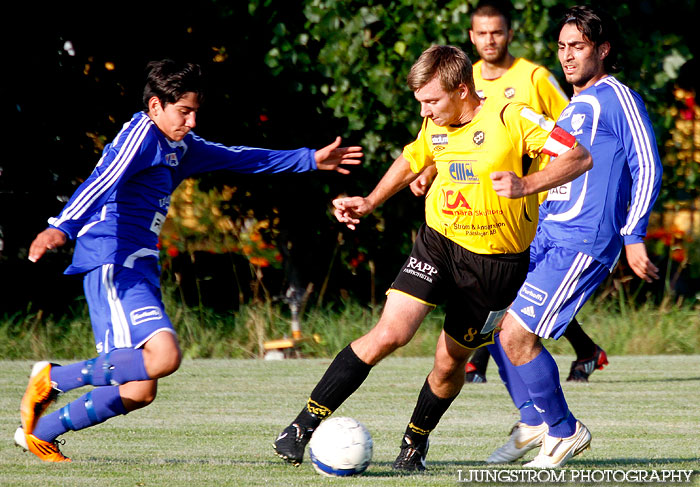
641,463
645,380
440,466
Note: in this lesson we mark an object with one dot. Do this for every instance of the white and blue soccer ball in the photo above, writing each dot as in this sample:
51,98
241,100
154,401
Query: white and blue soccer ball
341,447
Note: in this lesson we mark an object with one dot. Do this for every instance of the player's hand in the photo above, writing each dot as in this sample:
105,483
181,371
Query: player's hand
507,184
348,210
332,156
49,239
639,262
420,185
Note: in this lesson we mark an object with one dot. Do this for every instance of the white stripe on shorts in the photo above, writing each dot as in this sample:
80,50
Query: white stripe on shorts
120,325
564,292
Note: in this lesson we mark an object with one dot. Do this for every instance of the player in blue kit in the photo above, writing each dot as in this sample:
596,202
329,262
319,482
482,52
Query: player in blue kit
583,226
115,217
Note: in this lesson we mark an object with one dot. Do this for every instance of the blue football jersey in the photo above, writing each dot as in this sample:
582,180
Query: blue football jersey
117,213
608,206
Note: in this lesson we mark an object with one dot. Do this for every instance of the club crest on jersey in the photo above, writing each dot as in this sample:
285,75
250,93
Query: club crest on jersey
164,202
145,314
461,172
567,112
533,294
479,137
171,159
509,92
439,139
576,122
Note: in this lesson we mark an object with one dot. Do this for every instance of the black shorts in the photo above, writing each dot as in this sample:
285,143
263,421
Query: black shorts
477,288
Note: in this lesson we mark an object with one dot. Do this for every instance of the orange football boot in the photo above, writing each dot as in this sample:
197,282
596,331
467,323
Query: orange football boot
40,393
46,451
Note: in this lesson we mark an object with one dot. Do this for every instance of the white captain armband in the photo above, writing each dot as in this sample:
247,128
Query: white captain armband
558,142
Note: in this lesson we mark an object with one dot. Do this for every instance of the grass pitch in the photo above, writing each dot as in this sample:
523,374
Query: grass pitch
214,422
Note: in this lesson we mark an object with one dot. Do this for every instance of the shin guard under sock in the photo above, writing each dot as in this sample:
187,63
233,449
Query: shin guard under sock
93,408
342,378
116,367
541,375
427,413
514,384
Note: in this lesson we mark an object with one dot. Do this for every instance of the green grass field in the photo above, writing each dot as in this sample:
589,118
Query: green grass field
214,422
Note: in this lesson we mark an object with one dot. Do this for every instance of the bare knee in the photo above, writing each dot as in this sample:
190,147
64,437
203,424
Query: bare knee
519,344
379,342
138,394
161,355
400,320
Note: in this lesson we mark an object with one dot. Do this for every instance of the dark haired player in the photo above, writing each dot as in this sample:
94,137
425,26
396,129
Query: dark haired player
115,217
582,230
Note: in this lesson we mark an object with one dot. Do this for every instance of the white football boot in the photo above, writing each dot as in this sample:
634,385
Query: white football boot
523,438
555,452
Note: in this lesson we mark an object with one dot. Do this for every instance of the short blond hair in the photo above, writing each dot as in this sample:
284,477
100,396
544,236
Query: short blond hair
449,63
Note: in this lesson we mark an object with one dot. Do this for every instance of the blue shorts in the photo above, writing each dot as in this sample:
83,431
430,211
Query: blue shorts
126,309
559,282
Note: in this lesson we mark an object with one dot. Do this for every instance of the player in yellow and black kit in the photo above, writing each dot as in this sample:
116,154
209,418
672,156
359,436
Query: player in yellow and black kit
471,254
523,81
501,76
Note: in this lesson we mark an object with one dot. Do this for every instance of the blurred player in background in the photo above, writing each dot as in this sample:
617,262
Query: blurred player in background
583,227
472,253
115,216
498,74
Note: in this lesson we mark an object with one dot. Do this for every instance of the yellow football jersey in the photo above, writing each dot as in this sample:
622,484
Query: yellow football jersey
461,203
526,82
529,83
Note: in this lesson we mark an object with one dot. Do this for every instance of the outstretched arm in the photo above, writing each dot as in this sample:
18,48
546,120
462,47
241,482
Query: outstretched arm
348,210
332,156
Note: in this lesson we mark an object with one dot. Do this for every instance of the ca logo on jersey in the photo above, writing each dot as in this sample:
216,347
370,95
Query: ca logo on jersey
454,202
509,92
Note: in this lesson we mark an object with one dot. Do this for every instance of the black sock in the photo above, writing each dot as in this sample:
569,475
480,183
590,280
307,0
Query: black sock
426,415
480,359
342,378
582,343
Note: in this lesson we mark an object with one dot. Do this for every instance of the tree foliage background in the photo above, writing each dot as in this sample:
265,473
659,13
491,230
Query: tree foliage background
280,75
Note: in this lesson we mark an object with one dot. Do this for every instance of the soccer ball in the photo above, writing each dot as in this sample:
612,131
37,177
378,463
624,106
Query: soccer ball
341,447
